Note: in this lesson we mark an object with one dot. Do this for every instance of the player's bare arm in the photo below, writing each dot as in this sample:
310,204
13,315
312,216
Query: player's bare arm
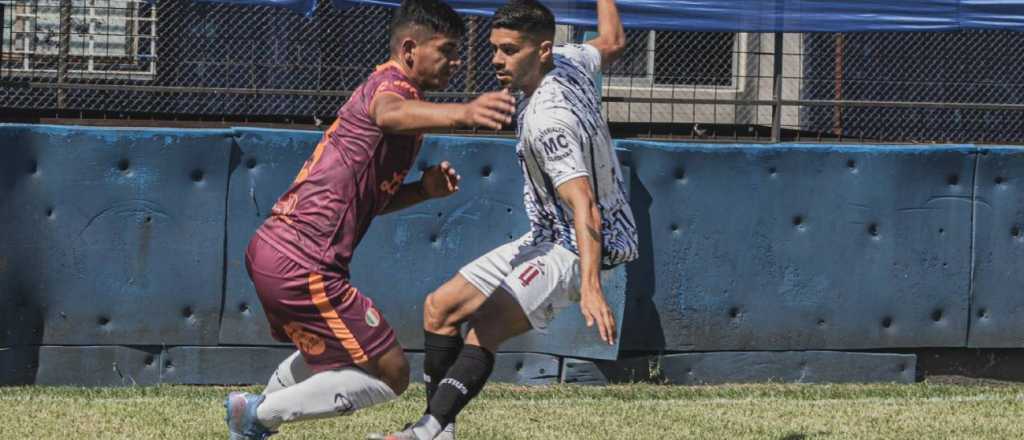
440,180
579,195
393,114
611,39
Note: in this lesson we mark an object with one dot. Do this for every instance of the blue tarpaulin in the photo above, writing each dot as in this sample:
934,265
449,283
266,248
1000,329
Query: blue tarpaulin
756,15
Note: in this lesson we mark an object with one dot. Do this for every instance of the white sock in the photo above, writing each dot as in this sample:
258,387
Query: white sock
427,427
291,371
325,394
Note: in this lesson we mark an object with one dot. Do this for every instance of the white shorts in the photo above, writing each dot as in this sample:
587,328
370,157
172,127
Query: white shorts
544,278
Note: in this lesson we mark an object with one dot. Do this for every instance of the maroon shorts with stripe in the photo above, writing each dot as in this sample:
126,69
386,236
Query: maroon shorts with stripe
329,320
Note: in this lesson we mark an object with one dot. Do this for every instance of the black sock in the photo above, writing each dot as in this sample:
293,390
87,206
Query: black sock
440,352
464,380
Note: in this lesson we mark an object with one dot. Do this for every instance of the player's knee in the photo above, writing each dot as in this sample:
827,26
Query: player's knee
437,315
433,319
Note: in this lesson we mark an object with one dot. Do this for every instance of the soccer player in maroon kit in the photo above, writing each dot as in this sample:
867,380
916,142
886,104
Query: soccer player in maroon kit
348,357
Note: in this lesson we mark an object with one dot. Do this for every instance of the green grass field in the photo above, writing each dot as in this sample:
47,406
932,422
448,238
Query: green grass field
919,411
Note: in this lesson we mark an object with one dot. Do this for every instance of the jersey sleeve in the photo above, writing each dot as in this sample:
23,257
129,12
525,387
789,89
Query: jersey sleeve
557,147
585,55
397,86
386,83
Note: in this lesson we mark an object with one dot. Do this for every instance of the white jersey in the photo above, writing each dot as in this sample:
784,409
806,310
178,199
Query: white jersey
562,136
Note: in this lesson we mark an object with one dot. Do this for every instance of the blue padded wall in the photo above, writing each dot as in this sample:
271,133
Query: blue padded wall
114,365
799,247
18,365
742,367
111,236
997,311
136,237
263,164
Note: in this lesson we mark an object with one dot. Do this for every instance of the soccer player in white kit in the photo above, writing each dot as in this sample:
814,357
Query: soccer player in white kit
580,219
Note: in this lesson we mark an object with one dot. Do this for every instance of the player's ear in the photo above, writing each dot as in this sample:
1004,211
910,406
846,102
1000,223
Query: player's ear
546,51
407,50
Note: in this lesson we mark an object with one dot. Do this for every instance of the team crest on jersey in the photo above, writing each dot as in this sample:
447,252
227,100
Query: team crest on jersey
372,318
307,342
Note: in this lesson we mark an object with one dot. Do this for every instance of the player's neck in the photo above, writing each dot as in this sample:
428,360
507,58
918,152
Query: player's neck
406,71
544,70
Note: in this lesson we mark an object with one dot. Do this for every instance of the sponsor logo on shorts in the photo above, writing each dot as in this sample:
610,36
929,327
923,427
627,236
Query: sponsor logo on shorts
342,404
372,318
307,342
530,274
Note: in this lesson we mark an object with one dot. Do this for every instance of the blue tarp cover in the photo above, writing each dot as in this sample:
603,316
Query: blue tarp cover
756,15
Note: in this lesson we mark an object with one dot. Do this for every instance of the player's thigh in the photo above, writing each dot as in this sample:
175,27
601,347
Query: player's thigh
499,319
453,302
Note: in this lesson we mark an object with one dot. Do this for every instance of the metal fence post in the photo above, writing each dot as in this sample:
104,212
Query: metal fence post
777,89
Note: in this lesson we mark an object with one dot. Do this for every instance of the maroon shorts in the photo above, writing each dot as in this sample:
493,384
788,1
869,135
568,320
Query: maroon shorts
329,320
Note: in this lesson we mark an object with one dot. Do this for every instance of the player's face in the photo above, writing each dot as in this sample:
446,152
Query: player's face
435,60
517,59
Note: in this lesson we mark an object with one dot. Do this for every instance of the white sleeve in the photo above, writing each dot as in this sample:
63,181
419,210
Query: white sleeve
557,148
583,54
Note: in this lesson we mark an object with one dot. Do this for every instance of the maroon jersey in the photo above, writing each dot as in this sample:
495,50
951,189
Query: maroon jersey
350,177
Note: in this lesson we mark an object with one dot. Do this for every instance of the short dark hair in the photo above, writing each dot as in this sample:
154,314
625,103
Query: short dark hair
526,16
434,16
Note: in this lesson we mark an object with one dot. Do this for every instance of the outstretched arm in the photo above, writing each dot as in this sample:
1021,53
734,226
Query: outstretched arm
395,114
611,39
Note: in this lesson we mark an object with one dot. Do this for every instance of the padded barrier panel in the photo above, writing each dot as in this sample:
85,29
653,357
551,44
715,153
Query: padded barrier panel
111,236
100,366
743,367
408,254
254,365
123,366
18,365
517,368
799,247
263,165
997,310
128,366
222,365
955,364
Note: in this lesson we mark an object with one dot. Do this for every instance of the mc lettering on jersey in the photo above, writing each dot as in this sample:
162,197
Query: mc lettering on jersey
553,140
555,143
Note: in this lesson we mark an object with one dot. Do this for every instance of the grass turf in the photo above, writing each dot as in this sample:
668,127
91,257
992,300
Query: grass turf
641,411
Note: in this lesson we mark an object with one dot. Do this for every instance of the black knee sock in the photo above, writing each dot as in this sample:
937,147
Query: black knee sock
464,380
440,352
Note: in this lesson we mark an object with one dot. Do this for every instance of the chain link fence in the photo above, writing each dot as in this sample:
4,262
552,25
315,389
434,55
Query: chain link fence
185,60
